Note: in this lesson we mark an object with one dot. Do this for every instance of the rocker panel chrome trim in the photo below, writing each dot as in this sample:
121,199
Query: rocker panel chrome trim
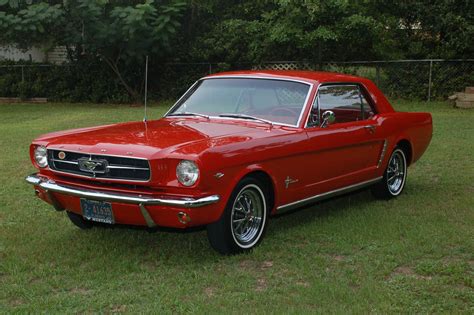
326,195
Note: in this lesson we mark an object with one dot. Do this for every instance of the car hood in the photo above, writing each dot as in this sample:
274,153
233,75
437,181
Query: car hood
164,136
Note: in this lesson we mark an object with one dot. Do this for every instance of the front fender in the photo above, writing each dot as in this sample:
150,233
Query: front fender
232,176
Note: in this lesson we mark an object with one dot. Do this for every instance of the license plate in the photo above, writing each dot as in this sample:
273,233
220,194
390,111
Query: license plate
99,211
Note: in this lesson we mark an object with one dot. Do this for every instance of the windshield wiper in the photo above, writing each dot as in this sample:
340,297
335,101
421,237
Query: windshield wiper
243,116
188,114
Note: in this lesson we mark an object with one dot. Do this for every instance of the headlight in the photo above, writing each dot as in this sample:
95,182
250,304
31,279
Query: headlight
41,156
187,172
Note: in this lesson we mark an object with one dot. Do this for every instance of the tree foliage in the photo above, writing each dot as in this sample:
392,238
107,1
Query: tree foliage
120,34
335,30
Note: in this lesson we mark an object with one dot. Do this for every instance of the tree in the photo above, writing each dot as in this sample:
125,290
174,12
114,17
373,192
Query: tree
290,30
119,34
332,30
428,29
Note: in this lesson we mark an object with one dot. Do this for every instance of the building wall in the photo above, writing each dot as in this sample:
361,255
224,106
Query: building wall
10,52
56,55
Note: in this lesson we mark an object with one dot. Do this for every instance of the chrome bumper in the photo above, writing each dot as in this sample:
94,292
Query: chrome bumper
51,186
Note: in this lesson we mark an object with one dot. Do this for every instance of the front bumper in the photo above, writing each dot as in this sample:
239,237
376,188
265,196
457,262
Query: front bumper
49,186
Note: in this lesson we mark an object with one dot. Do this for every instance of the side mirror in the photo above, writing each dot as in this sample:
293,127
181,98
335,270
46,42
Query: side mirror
328,117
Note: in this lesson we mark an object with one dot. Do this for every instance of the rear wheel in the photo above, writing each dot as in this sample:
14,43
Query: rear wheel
79,221
242,225
394,177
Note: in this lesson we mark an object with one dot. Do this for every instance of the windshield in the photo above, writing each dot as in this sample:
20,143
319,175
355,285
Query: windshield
277,101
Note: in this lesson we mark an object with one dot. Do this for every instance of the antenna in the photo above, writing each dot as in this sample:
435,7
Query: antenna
146,85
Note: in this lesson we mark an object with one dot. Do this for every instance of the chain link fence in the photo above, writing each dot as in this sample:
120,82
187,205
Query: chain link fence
429,79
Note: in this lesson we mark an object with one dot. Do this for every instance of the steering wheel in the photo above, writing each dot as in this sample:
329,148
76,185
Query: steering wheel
283,110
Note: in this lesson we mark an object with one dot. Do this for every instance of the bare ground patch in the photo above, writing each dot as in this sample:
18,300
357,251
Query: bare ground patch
16,302
408,272
261,285
302,283
255,266
338,257
118,309
209,291
266,264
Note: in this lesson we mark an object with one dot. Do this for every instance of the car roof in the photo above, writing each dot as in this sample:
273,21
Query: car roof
307,76
315,78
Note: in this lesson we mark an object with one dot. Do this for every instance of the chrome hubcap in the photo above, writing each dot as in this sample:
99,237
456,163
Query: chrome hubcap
396,173
247,216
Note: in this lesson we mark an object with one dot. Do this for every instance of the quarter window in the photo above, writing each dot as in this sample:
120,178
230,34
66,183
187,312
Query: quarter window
367,110
346,101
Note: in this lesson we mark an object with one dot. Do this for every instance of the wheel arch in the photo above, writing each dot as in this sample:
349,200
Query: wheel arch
262,174
407,148
267,180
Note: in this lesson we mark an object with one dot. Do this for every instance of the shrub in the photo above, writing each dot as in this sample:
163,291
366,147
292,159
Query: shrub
84,81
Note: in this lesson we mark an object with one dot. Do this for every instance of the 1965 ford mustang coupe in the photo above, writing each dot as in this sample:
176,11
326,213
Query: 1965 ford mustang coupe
235,149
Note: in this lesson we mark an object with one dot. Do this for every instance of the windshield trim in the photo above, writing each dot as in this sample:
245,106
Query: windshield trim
303,109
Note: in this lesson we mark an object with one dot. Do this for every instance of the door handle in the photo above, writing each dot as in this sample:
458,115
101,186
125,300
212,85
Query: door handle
370,128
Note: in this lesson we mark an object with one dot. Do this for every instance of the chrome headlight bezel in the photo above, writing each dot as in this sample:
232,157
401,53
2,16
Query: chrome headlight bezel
41,156
187,173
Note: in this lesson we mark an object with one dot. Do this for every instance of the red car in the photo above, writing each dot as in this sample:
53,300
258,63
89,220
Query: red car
235,149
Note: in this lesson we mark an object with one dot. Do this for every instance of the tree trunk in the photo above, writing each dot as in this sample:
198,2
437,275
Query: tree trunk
132,92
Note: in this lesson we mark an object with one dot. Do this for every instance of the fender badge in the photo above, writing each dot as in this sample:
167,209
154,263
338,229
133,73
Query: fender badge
61,155
289,181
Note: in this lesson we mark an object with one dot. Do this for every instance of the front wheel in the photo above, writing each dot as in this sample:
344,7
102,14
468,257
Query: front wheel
394,177
243,222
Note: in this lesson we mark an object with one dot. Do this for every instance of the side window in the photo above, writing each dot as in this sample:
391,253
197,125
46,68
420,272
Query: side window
346,101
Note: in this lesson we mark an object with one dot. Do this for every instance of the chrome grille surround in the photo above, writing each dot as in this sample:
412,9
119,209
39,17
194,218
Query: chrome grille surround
109,167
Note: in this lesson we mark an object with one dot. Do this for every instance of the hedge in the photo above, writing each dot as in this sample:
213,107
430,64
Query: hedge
93,81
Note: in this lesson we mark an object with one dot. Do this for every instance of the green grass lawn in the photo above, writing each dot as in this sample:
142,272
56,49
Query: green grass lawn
352,254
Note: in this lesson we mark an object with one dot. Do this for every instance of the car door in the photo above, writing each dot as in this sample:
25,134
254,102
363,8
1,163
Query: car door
346,151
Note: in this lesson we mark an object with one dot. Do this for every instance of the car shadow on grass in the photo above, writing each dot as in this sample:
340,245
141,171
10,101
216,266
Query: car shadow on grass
335,206
183,243
131,243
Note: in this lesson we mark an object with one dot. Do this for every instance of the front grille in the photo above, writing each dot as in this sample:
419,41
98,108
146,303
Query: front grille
99,166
